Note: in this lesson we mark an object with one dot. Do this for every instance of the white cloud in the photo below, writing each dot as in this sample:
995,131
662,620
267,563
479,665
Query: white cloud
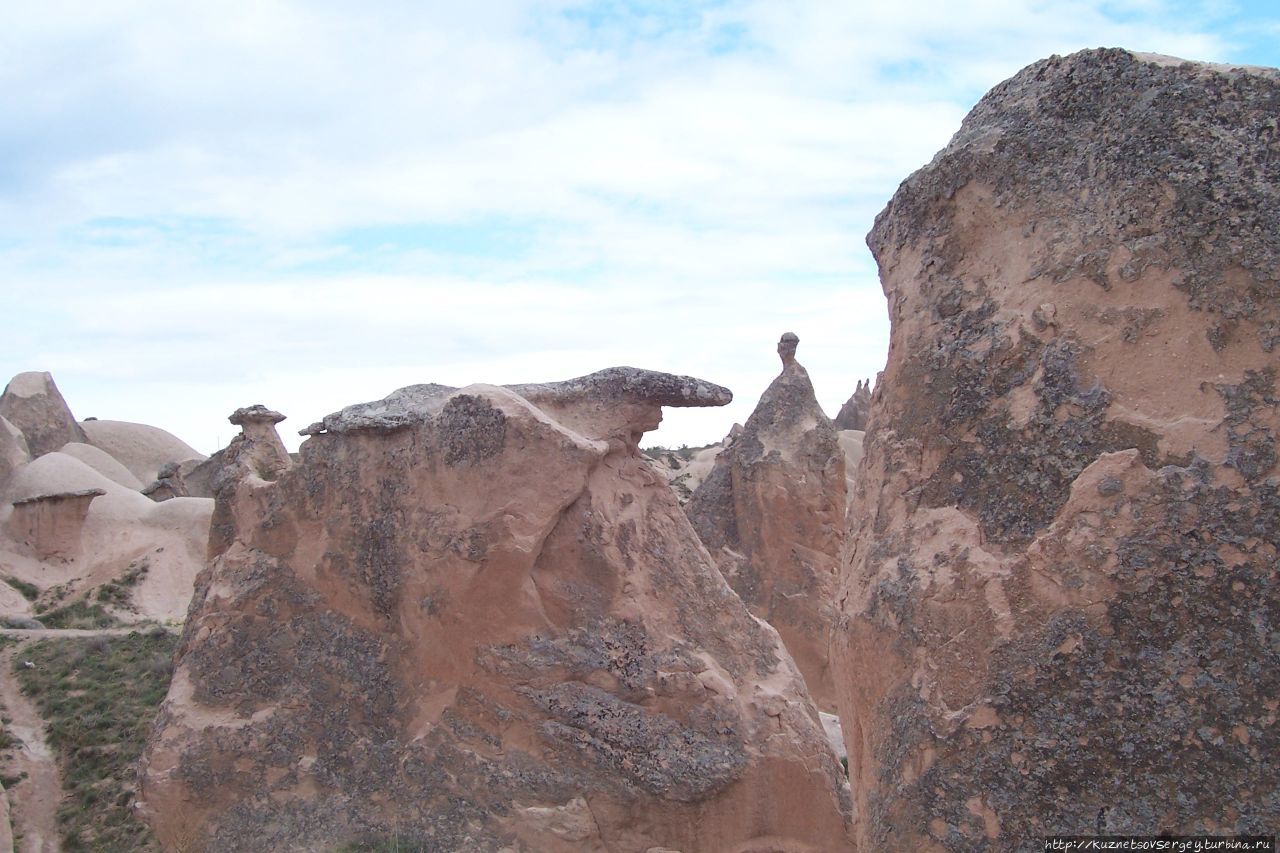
669,187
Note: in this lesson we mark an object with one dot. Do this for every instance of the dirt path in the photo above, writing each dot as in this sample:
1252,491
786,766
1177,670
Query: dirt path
33,802
41,633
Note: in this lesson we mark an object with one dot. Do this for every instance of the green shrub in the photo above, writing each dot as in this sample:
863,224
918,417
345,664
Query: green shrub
29,590
79,614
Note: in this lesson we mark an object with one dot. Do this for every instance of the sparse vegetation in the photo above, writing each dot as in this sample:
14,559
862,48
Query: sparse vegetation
29,591
79,614
51,597
98,696
119,592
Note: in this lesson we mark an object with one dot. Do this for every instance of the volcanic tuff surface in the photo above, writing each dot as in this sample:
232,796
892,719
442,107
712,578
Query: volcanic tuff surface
771,512
1060,598
32,403
477,619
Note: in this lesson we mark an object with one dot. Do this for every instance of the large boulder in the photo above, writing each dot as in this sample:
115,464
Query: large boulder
477,619
33,404
771,512
141,448
1060,595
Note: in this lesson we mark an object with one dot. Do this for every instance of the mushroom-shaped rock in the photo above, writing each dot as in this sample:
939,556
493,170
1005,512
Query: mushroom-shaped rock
787,345
1059,597
50,525
771,512
255,456
463,622
33,404
258,438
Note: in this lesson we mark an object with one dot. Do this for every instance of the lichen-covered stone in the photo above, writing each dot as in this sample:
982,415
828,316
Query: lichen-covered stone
1059,603
771,512
458,623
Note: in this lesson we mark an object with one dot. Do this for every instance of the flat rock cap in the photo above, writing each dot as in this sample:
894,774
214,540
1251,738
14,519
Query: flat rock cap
255,414
414,404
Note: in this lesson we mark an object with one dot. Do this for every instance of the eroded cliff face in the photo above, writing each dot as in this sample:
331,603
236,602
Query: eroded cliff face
1060,599
771,512
477,619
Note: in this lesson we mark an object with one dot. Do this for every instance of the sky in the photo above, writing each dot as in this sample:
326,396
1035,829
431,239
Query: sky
307,204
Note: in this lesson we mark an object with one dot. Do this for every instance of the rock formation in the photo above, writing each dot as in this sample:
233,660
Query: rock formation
50,525
168,484
102,462
141,448
771,512
853,414
477,620
32,403
1059,600
121,529
13,451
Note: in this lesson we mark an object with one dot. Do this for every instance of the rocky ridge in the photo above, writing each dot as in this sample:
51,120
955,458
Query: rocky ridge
476,619
1061,579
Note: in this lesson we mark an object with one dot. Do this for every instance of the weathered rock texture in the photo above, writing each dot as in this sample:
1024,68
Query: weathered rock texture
477,620
853,414
32,403
1060,600
772,514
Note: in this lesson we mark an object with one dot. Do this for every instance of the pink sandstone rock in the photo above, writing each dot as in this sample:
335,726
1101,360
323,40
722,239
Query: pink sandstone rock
477,620
1059,596
771,512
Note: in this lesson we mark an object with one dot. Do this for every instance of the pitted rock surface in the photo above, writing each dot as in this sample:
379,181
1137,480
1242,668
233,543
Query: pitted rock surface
771,512
1059,597
459,624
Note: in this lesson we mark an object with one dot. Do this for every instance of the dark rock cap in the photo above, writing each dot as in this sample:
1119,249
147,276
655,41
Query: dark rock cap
255,414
